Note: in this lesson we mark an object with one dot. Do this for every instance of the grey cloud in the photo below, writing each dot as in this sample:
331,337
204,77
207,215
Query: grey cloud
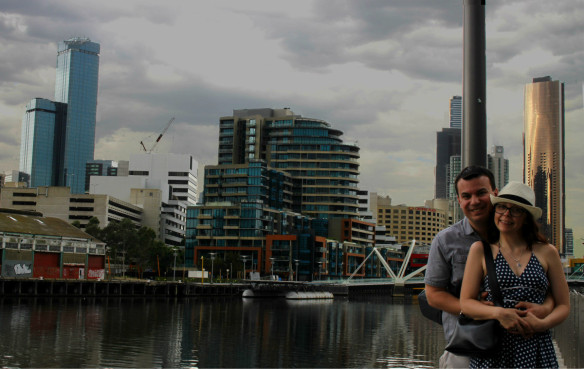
338,28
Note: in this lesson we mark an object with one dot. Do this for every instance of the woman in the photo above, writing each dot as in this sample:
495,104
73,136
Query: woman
527,269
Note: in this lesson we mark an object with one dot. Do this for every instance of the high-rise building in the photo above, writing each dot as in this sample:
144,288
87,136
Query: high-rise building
454,168
307,149
58,137
448,144
456,112
569,242
497,164
543,153
40,143
76,85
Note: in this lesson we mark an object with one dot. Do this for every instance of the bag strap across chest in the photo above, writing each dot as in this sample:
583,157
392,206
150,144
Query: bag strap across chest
492,275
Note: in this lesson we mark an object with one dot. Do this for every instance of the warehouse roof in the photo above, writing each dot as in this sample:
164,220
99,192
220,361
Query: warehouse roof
33,223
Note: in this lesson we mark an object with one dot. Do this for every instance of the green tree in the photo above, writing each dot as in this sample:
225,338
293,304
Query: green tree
120,237
93,228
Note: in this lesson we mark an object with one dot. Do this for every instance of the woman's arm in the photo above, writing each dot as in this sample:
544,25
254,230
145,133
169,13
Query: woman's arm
559,287
474,272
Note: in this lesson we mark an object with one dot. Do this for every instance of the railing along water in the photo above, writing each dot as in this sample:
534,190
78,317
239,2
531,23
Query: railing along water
569,335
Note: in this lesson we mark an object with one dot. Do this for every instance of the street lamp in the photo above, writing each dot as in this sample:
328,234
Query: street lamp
244,258
202,270
212,260
272,266
296,261
174,268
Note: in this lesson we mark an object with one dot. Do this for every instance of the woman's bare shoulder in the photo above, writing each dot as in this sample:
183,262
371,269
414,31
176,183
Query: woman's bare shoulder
545,248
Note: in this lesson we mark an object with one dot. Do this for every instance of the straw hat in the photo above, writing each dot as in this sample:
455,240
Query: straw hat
519,194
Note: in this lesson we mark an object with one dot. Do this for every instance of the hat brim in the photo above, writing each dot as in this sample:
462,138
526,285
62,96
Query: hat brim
533,210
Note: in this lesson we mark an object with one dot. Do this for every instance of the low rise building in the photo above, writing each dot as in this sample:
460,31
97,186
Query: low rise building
59,202
407,223
33,246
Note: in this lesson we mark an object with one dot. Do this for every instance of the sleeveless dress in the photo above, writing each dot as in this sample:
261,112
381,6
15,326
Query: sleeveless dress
516,351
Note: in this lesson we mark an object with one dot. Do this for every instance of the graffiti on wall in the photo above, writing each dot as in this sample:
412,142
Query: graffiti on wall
17,268
95,273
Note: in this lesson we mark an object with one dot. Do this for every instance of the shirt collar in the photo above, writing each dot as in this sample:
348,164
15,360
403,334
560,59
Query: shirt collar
468,229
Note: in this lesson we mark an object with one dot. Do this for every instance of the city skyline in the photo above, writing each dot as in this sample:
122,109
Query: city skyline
382,73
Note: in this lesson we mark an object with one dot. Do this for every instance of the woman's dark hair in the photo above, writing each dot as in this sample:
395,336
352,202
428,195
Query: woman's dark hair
531,232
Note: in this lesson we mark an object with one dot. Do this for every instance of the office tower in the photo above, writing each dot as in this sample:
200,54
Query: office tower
497,164
543,153
58,137
456,112
40,143
76,85
569,242
448,144
307,149
454,168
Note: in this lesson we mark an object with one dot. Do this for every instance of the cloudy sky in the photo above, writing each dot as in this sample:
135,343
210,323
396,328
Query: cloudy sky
382,71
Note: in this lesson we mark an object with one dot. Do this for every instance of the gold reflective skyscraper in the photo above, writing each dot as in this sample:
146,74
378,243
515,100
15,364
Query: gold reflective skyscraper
543,153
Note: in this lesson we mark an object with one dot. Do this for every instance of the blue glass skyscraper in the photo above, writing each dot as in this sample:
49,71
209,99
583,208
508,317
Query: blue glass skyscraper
42,125
58,137
76,85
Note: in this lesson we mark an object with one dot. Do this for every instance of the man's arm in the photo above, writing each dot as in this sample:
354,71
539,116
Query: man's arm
540,311
440,298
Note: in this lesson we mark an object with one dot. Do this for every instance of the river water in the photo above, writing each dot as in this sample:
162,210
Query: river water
216,332
232,333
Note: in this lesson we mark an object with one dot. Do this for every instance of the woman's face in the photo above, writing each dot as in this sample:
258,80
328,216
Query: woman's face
509,217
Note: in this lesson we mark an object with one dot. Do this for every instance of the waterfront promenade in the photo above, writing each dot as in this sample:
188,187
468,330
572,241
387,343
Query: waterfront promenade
148,288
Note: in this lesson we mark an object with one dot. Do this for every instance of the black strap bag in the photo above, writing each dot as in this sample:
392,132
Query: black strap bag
479,337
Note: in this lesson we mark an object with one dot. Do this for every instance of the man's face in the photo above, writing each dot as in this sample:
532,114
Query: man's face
474,199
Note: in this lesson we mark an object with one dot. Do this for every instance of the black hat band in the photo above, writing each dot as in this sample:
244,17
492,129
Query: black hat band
516,198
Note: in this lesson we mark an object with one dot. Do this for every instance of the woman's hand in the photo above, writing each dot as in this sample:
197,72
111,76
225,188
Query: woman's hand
515,322
534,322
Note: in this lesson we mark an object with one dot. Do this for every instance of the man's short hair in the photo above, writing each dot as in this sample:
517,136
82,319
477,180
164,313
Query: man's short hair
474,171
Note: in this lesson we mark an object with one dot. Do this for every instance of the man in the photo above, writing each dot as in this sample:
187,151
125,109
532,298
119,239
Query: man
449,250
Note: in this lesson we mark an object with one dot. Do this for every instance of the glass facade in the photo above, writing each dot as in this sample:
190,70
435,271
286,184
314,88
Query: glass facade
76,85
313,152
543,156
309,150
456,112
39,145
448,144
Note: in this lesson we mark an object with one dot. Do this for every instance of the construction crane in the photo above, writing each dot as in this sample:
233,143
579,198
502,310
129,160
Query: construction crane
159,137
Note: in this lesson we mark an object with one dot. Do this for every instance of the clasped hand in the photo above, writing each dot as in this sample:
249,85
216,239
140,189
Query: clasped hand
524,319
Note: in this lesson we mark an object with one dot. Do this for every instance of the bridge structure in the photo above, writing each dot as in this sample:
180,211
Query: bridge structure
397,280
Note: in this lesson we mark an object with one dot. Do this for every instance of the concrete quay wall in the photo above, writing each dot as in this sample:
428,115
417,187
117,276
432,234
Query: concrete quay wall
143,288
113,288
